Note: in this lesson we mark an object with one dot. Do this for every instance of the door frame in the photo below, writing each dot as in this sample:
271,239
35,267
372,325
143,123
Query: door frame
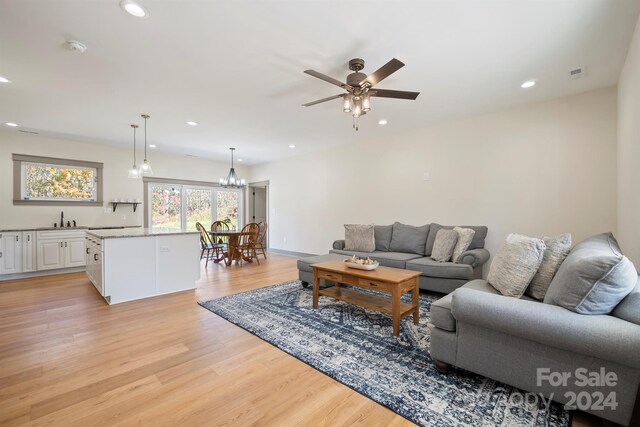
249,205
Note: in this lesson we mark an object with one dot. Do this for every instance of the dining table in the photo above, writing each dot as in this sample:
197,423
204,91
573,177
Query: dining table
233,249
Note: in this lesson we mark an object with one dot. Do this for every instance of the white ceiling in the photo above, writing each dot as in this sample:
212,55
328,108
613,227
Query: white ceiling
236,66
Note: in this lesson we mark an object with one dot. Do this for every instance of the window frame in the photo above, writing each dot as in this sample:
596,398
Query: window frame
183,185
18,180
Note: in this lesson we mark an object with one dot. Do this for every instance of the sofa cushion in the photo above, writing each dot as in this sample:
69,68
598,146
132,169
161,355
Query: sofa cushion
557,250
409,239
382,234
629,307
444,245
446,270
477,242
515,264
387,259
594,277
304,264
465,236
359,237
441,310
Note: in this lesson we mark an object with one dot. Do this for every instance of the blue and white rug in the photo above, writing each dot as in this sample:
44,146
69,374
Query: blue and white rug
356,347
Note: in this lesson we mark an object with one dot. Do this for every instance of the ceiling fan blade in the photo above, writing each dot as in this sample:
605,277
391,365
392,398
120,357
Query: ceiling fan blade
327,79
309,104
382,73
399,94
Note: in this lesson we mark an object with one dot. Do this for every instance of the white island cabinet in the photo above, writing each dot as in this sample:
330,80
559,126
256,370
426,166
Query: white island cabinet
130,264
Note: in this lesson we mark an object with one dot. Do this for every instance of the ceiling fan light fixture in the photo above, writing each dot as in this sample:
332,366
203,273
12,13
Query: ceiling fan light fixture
366,102
346,105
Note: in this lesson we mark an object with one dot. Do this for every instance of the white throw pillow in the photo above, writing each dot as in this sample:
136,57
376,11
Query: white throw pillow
359,238
557,250
515,264
465,236
444,244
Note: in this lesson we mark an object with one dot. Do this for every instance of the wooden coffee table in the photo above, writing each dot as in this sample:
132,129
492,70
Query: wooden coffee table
393,281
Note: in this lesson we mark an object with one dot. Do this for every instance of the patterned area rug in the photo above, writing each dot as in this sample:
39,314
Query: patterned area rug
356,347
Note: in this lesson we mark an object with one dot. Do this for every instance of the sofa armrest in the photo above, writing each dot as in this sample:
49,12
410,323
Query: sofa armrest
602,336
475,257
338,245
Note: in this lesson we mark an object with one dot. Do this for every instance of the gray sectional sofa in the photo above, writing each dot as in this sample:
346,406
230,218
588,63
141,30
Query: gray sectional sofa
509,339
407,247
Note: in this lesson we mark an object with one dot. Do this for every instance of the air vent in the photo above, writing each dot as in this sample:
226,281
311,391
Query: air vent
29,131
577,73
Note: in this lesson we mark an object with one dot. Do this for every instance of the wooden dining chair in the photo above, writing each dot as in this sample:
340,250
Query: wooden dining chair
221,243
205,243
262,237
249,240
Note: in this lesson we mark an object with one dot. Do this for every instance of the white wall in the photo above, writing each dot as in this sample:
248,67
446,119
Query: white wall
117,162
545,168
629,152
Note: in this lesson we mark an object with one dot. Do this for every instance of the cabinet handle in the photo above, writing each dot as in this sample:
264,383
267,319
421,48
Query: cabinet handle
17,239
87,249
28,237
95,257
61,244
65,244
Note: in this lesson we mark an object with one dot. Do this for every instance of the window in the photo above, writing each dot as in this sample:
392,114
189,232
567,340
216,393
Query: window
45,180
181,204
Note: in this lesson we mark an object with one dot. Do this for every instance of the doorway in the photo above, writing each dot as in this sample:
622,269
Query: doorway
259,205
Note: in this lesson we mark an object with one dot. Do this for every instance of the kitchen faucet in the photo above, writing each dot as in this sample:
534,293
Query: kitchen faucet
61,219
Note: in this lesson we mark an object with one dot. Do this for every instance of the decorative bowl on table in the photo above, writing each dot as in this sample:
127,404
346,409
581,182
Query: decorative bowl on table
361,263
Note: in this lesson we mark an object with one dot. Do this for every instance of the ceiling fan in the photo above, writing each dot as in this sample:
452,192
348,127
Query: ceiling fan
359,87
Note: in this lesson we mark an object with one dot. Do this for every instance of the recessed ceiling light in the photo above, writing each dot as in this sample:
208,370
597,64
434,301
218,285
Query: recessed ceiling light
4,80
13,125
528,84
190,123
382,122
134,8
152,145
239,160
292,146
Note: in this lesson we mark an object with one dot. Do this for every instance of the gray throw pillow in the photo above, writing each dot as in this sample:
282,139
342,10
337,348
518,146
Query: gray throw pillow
594,277
557,250
515,264
629,307
444,244
465,236
408,239
382,234
359,238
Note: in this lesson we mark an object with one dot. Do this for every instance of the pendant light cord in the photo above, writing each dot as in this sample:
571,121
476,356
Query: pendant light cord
134,145
145,139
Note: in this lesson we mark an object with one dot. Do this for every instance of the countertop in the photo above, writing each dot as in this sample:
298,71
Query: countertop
137,232
80,227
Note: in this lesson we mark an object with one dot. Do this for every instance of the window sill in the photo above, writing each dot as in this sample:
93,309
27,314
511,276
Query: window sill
56,203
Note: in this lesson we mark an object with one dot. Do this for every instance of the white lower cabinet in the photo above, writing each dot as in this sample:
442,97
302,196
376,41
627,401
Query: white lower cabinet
50,254
11,252
29,251
60,249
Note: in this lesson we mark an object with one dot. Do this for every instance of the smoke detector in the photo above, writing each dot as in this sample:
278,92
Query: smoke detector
577,73
76,46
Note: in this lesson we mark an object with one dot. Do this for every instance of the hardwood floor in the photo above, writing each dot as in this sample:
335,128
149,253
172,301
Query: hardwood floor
67,358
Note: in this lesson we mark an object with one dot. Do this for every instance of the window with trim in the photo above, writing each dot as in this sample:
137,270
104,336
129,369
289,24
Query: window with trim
56,181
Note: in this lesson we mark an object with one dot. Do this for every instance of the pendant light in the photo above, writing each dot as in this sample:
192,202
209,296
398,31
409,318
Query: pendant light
232,180
145,168
133,172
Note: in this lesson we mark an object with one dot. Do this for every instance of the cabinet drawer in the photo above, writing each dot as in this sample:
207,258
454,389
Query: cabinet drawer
336,277
376,285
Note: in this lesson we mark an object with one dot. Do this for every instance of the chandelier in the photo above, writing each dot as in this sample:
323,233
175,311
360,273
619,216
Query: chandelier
232,180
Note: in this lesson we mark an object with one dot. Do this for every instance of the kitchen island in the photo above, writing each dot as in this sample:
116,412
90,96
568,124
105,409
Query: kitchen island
130,264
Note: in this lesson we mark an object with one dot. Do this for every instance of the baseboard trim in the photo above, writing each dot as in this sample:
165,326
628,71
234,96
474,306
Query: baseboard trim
290,253
41,273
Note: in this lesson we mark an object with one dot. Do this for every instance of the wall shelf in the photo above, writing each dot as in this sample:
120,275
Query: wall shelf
135,205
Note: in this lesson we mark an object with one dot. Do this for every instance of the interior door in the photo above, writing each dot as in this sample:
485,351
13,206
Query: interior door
10,253
75,253
50,254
